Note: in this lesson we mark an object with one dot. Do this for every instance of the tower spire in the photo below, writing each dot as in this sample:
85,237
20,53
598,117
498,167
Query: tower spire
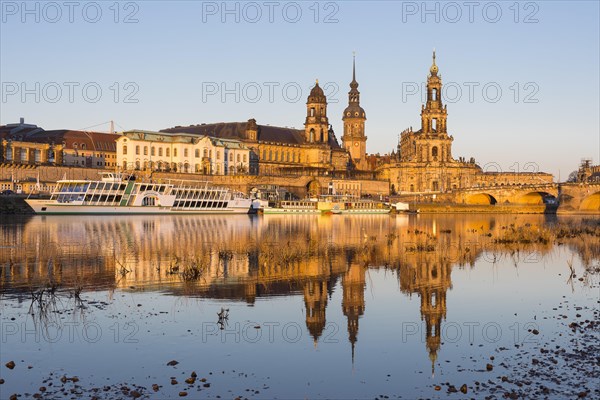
434,67
353,66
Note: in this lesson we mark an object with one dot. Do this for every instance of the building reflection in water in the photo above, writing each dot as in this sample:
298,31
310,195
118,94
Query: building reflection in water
240,258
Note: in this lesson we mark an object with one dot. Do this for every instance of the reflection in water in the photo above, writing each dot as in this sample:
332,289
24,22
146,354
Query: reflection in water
240,258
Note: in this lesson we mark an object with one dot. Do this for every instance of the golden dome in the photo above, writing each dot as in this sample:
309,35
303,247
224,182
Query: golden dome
434,68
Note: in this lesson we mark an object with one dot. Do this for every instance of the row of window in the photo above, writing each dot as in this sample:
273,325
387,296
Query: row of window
167,152
277,156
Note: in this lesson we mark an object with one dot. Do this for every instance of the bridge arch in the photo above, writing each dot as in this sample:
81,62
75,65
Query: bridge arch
481,198
537,198
591,203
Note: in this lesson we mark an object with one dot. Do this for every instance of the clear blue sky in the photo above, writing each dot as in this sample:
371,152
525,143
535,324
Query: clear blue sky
543,56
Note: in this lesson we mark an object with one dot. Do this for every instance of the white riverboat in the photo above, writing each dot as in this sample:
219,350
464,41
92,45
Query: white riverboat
122,194
336,204
307,206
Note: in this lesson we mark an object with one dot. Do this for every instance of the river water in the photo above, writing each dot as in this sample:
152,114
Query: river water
281,306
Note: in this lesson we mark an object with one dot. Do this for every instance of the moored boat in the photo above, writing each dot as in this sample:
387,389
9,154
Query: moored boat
307,206
122,194
351,205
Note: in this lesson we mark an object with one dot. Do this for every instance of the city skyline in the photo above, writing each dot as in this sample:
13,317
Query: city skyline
545,119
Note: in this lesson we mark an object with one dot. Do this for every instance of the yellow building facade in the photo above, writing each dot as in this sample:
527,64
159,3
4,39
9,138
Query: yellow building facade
424,163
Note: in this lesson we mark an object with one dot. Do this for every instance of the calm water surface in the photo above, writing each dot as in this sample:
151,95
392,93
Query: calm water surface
313,306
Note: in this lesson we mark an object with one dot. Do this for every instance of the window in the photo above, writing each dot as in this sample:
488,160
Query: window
230,156
145,150
124,149
218,155
312,112
168,152
197,154
174,152
434,124
160,151
152,151
245,158
434,152
239,158
264,155
434,94
205,152
185,152
137,150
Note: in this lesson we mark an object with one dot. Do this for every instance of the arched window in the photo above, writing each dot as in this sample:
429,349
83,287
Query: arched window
230,156
137,150
434,94
124,149
145,150
197,154
205,152
239,158
185,152
434,152
168,152
160,152
152,151
312,136
175,152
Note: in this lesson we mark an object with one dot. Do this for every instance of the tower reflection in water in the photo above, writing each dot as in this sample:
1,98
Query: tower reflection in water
240,258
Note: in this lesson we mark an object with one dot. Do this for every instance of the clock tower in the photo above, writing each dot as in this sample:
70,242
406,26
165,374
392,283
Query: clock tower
354,139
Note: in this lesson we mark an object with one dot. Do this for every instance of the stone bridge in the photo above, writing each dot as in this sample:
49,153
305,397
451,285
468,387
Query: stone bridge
518,194
584,197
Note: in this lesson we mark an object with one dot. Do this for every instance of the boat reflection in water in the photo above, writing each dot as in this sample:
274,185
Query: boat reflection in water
242,258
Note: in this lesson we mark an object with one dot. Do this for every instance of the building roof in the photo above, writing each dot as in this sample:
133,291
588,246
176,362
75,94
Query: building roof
183,137
70,139
237,131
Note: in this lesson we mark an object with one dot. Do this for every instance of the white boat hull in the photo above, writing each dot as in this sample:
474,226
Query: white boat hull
49,207
269,210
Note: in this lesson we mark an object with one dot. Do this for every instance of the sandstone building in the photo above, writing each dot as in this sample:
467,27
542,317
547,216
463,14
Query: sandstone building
180,152
424,163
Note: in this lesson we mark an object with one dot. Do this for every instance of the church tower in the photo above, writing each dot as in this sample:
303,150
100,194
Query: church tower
353,300
433,113
315,301
316,127
355,141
